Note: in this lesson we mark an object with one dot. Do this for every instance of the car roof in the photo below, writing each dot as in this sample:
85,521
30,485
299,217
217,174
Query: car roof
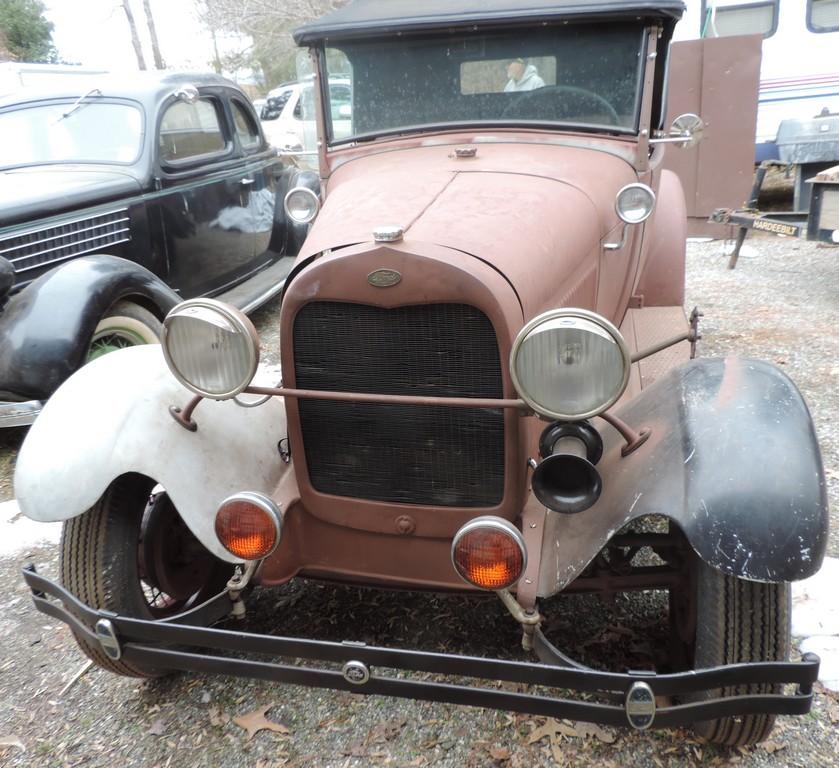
146,87
368,18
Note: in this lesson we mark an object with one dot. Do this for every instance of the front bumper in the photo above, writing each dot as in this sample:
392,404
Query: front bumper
178,644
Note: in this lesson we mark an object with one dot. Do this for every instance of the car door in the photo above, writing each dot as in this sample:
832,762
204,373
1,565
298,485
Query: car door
259,183
203,178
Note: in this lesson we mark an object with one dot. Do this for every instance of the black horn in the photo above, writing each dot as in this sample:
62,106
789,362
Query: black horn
566,480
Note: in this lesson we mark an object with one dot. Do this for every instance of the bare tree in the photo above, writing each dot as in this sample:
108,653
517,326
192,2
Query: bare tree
135,38
268,24
155,47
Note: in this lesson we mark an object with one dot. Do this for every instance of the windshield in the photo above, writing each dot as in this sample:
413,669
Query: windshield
586,76
92,133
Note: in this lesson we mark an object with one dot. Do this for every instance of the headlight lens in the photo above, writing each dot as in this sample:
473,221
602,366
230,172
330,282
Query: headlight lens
634,203
211,347
301,205
569,364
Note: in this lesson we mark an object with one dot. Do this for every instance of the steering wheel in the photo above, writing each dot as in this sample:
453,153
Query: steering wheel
538,104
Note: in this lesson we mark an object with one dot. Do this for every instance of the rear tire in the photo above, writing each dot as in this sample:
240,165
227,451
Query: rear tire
739,621
102,563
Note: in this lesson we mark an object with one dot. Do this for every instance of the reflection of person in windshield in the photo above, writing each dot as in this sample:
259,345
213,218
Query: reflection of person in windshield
523,77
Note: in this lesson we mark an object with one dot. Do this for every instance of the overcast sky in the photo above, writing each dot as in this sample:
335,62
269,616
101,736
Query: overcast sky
95,33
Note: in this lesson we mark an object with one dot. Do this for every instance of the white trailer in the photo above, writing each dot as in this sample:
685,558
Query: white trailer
799,75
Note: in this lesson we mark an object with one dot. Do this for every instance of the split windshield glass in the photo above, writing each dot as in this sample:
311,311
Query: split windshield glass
576,75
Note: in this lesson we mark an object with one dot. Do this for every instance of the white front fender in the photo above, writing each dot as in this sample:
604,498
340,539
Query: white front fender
112,417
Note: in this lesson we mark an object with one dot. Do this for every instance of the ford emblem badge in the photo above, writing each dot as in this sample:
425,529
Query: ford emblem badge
384,278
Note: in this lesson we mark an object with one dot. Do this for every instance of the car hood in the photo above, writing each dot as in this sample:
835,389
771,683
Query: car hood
535,212
31,193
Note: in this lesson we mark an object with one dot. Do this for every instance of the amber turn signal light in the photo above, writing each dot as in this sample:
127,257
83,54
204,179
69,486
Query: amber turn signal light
248,525
489,553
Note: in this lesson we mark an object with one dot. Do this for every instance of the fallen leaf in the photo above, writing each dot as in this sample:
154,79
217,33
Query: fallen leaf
12,741
255,721
158,727
358,749
387,730
544,731
218,716
556,752
772,747
499,753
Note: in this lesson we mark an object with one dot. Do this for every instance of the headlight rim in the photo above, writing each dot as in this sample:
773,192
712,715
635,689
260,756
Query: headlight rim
585,314
635,185
306,190
242,323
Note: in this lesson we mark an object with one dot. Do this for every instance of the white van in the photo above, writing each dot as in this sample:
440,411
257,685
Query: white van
288,117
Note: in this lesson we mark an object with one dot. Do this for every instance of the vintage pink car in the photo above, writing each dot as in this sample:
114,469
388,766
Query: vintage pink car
487,385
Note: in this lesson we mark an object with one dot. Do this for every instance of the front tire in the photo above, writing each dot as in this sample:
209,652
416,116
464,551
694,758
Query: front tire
106,561
739,621
125,325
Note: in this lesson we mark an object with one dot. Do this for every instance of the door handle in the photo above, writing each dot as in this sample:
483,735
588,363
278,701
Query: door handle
246,182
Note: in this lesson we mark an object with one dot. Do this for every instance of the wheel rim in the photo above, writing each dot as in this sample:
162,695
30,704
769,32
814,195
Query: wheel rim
176,572
113,339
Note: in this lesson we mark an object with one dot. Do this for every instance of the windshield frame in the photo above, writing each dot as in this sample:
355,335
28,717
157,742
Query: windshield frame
635,130
69,101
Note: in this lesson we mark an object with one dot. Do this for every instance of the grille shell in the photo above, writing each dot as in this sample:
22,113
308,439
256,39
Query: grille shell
428,455
45,246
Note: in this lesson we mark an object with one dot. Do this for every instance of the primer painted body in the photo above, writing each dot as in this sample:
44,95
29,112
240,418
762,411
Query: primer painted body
112,417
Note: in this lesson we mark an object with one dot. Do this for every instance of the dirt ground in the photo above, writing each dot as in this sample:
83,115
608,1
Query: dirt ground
780,304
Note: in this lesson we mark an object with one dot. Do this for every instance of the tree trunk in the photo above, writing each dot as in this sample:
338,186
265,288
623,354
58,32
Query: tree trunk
155,47
135,39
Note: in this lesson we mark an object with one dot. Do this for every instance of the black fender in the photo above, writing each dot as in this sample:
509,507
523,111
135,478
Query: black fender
46,328
288,236
732,459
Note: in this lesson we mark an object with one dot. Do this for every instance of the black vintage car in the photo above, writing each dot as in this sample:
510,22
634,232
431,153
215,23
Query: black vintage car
119,198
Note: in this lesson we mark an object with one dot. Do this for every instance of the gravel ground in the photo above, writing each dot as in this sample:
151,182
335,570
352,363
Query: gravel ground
781,304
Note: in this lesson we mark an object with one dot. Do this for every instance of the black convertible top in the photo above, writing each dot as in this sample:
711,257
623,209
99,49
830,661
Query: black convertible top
365,18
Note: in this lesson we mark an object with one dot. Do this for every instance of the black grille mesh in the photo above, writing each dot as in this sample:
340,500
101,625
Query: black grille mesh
411,454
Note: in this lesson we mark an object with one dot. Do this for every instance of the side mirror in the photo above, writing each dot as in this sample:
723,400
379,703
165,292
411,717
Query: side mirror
686,131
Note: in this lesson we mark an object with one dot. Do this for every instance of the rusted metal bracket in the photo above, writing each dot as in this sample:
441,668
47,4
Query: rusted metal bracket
634,440
692,335
529,619
184,415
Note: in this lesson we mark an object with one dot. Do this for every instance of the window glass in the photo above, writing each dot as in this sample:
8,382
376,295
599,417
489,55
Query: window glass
71,132
584,75
823,15
305,108
726,20
495,76
245,128
190,130
275,103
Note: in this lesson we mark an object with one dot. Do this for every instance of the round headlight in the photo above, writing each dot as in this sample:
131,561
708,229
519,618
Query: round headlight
211,347
569,364
634,203
301,205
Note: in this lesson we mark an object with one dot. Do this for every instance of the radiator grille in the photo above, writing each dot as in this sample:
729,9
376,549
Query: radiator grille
410,454
49,245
